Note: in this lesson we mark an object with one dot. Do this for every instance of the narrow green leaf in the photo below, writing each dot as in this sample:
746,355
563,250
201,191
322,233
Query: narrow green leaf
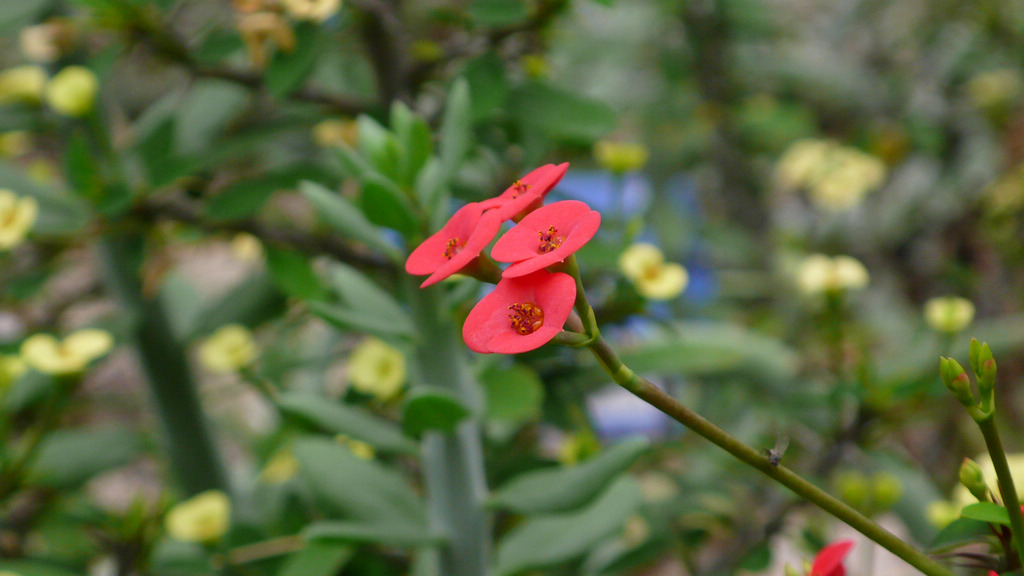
386,205
414,139
317,558
244,198
397,535
379,146
68,458
986,512
348,486
355,320
456,128
250,302
559,489
487,84
294,274
432,409
287,70
546,540
559,113
432,190
960,532
343,216
82,172
336,418
514,394
358,292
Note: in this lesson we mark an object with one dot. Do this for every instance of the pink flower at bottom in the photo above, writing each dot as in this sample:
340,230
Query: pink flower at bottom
829,562
455,246
527,193
521,314
546,236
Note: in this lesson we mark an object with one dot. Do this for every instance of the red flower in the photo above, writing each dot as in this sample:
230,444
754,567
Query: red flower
521,314
527,193
546,236
829,562
454,247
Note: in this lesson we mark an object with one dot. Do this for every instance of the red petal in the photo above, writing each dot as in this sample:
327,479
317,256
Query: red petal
540,181
572,219
470,225
487,328
829,562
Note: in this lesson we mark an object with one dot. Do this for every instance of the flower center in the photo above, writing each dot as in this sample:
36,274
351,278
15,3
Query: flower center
525,318
519,188
452,248
548,240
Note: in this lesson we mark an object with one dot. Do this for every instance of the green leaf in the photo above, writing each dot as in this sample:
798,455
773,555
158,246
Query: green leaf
385,534
293,273
386,205
205,112
176,558
353,165
182,303
242,199
353,488
560,114
31,567
287,70
360,321
380,147
514,394
359,293
317,558
545,540
343,216
68,458
336,418
487,84
432,191
414,139
60,214
81,169
958,533
250,302
456,128
28,390
432,409
559,489
499,12
986,512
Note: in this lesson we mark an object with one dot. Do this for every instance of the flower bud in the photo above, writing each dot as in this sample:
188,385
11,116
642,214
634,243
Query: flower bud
72,91
955,378
973,479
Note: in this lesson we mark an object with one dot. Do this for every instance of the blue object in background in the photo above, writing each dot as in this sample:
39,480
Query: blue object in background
610,195
616,413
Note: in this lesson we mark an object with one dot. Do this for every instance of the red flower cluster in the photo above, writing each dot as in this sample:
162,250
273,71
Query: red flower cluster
530,305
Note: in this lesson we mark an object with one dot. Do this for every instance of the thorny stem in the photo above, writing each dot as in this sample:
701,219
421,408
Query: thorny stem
1006,486
648,392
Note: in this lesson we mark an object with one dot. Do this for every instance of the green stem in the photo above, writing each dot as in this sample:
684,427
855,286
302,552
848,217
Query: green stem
654,396
1006,487
165,364
453,464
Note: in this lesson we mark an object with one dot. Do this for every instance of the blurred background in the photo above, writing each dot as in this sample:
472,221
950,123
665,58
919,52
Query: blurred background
213,361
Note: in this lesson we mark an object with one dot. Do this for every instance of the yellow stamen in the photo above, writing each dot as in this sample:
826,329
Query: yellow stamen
548,240
526,318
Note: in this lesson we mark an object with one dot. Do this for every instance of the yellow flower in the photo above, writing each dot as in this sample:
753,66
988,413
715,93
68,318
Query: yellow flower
17,216
14,143
949,314
316,10
11,368
71,355
333,131
204,518
802,162
995,88
72,91
46,42
620,157
229,349
836,177
247,247
22,84
644,264
282,467
820,274
258,29
377,369
359,448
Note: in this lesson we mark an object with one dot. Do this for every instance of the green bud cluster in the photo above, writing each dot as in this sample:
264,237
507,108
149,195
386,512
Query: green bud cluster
973,479
983,366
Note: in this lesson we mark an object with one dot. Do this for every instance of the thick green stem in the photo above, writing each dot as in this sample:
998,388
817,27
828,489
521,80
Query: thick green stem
756,459
165,364
453,464
1006,486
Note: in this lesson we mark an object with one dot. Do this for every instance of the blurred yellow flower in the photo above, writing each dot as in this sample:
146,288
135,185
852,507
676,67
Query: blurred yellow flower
316,10
11,368
17,216
940,513
535,66
282,467
247,247
72,91
949,314
22,84
229,349
836,177
358,447
15,143
258,29
71,355
620,157
377,369
204,518
46,42
819,274
644,264
995,88
334,131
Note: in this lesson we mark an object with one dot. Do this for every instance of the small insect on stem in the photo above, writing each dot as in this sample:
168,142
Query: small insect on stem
774,455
